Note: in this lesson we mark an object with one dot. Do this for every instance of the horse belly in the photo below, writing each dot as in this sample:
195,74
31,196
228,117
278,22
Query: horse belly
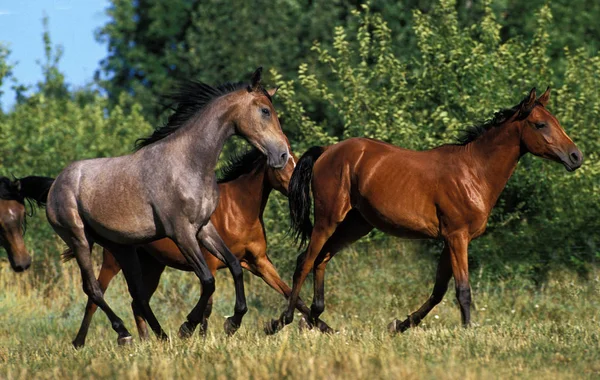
405,210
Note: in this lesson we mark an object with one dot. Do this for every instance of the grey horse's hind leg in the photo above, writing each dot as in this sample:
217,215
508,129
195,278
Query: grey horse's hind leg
81,245
211,240
189,247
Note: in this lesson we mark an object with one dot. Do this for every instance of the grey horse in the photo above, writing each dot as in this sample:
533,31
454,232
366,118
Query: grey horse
167,188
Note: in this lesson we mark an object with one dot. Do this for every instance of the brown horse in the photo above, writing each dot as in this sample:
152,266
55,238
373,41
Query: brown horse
444,193
167,188
244,189
13,217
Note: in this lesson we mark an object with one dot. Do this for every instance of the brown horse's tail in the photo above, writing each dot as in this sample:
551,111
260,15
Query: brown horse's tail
67,255
299,195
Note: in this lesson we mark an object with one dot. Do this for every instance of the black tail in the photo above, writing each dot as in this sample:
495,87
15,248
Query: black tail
299,195
67,255
35,188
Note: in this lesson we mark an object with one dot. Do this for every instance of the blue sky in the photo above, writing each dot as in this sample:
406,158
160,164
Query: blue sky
72,24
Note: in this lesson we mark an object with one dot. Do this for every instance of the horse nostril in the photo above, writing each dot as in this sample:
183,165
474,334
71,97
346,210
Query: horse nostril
575,157
284,156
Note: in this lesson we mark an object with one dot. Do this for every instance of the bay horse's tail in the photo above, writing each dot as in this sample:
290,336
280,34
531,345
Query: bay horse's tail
67,255
299,195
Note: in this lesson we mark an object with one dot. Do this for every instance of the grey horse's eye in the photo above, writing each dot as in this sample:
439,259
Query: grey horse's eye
266,112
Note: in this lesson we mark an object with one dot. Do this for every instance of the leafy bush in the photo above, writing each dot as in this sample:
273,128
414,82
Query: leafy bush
462,76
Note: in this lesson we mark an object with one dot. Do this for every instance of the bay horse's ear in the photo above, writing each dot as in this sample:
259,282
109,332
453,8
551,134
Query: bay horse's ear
272,91
17,185
255,80
543,100
528,103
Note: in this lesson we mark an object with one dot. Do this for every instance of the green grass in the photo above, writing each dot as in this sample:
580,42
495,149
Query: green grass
519,330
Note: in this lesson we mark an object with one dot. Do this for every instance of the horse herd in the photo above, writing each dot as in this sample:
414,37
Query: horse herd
163,206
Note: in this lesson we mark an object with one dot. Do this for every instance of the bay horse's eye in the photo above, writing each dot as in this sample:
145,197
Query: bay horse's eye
266,112
540,125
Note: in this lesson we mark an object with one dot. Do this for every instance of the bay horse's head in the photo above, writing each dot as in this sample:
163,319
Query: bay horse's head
279,179
542,134
12,220
257,121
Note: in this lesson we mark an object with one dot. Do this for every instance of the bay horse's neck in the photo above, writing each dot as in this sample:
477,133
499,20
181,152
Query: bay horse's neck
254,190
495,156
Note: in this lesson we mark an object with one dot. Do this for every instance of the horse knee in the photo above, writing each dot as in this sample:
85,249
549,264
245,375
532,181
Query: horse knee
208,286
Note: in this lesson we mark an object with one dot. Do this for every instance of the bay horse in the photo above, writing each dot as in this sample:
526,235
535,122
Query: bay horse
244,188
167,188
13,215
444,193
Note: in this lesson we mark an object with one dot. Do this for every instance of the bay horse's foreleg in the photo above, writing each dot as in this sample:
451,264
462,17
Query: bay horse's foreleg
458,244
211,240
132,270
108,271
444,273
152,269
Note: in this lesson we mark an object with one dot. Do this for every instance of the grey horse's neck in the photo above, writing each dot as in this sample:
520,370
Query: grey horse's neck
199,143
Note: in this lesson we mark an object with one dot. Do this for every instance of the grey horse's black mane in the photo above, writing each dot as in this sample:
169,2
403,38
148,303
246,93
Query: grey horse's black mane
190,98
241,164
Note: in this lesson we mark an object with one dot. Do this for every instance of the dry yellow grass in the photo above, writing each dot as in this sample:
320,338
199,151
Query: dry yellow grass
519,331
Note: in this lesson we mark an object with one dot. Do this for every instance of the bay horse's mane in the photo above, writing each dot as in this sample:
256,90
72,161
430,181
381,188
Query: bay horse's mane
190,98
240,164
32,189
9,190
474,132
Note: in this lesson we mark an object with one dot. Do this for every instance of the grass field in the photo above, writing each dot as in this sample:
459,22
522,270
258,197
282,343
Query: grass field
520,330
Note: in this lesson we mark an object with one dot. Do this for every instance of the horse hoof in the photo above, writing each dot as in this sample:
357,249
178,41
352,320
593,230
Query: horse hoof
203,329
272,327
78,344
230,327
186,330
398,327
393,327
125,340
303,324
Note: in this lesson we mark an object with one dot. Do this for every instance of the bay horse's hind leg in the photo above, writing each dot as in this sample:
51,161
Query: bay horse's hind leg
152,269
321,232
262,267
108,271
444,273
350,230
211,240
130,264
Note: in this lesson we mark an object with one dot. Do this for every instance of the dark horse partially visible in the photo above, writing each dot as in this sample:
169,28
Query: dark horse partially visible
13,215
244,187
167,188
444,193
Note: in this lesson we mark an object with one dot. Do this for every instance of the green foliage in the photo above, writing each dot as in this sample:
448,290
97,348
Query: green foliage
461,76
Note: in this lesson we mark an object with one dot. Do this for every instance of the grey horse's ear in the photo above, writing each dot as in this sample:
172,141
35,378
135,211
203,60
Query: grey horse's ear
528,103
543,100
255,80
